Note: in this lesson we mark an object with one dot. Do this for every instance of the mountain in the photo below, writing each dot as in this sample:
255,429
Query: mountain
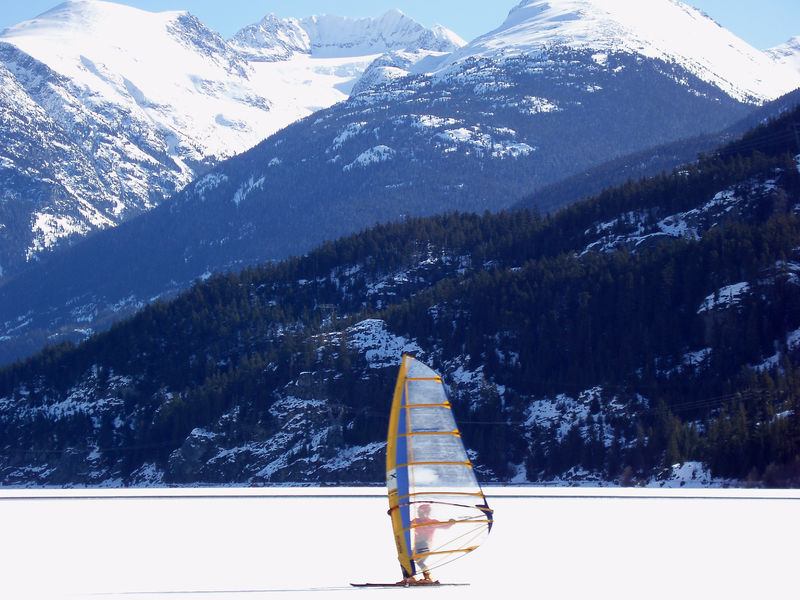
655,324
668,31
332,36
788,53
108,109
559,88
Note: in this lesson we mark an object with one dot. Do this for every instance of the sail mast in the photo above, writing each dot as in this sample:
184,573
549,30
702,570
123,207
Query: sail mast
397,483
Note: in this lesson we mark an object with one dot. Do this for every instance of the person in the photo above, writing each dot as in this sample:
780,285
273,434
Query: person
424,528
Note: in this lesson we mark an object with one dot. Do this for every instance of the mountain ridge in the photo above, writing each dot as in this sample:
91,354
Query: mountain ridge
666,30
147,125
418,136
330,36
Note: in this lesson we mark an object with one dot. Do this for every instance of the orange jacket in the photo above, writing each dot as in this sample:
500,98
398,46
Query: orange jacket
425,528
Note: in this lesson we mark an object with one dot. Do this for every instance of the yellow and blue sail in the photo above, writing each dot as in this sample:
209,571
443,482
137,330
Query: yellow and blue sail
427,466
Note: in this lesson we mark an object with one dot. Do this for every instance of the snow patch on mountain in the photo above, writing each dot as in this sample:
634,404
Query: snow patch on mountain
377,154
497,144
348,456
430,121
380,347
691,474
793,340
391,67
248,188
208,183
562,413
629,230
378,76
75,401
725,297
535,105
48,229
349,131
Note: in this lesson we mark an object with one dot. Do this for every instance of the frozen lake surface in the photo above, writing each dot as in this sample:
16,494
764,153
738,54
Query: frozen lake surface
248,544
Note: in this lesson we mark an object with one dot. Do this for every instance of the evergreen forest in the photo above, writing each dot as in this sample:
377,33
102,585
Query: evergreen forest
664,313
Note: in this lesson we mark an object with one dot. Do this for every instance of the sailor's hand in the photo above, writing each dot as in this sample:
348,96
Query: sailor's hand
452,521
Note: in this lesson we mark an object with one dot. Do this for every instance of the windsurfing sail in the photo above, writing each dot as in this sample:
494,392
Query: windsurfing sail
438,510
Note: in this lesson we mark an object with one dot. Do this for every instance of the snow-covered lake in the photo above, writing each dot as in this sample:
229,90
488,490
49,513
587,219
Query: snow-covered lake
249,544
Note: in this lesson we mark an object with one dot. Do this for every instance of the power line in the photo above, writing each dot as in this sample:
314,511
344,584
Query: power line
759,142
109,449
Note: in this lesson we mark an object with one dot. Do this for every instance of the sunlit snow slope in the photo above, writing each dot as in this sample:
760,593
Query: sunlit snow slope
788,53
108,109
190,82
663,29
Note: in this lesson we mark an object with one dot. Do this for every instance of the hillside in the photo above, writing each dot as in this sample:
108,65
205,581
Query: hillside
536,101
107,110
652,325
650,162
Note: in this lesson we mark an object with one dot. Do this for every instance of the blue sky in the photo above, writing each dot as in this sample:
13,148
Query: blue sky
762,23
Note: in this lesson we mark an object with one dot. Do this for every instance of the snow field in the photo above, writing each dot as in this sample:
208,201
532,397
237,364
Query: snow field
310,543
668,30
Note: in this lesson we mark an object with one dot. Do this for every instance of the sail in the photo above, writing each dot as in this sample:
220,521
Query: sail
438,510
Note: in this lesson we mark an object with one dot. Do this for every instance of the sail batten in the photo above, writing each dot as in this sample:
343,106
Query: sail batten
435,462
457,551
437,507
453,433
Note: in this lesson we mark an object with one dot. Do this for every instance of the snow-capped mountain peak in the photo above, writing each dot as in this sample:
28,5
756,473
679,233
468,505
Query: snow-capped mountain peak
788,53
327,36
113,50
145,100
77,14
74,25
668,30
272,39
331,36
202,92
